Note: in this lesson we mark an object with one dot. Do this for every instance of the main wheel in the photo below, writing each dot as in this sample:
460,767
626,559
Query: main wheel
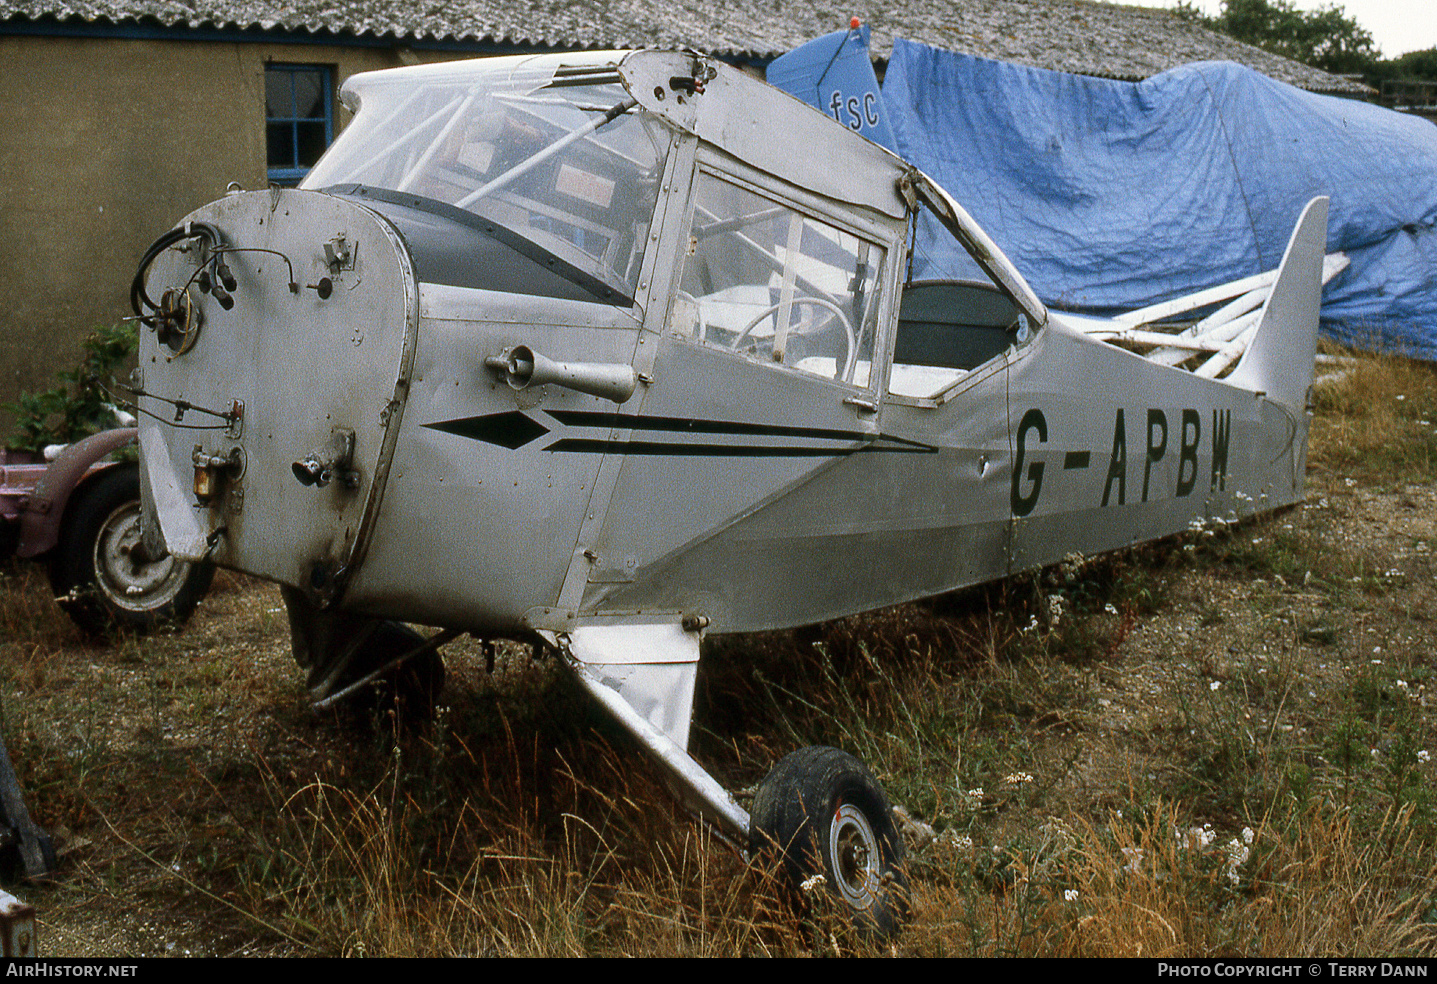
98,569
821,812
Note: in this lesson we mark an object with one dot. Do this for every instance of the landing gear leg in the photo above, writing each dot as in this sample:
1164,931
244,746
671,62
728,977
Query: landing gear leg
340,650
819,812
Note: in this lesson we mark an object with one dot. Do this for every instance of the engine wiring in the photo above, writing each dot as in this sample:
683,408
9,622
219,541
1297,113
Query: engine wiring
212,276
141,303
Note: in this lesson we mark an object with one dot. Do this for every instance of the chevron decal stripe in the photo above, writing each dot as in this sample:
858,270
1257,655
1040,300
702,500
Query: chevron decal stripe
514,429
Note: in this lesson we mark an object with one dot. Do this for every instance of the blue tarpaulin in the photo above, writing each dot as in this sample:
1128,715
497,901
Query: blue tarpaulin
1112,195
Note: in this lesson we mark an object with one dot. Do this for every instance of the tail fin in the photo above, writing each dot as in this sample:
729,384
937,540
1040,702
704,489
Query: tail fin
1279,360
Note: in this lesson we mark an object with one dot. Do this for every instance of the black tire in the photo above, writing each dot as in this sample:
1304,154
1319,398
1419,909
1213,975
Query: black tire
821,812
92,572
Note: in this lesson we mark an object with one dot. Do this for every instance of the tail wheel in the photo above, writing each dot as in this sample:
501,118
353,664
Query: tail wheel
821,812
99,572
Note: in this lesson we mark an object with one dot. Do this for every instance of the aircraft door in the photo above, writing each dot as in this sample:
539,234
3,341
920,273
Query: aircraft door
764,376
764,281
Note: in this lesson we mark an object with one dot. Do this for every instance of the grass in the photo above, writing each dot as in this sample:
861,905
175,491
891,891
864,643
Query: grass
1376,424
1213,746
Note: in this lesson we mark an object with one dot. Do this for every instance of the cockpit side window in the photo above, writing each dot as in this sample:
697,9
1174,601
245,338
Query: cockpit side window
946,328
771,283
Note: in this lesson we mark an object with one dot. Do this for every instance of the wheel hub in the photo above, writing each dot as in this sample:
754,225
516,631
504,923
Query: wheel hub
854,850
127,581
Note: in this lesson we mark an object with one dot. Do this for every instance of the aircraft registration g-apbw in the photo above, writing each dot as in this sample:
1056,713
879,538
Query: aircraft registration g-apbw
575,348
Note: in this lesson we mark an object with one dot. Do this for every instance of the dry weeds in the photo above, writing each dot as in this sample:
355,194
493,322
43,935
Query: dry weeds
1216,746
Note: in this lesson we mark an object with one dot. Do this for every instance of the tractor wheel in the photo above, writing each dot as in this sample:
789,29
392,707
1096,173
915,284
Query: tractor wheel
99,572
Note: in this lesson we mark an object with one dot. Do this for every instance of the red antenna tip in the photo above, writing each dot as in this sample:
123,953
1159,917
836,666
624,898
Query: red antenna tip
854,22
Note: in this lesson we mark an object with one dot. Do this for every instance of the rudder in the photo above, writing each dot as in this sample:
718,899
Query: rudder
1279,360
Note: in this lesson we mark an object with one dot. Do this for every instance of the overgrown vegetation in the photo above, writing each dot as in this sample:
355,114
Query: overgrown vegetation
1325,38
1218,745
80,405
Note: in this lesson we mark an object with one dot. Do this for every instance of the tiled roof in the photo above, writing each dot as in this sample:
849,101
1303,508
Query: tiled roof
1066,35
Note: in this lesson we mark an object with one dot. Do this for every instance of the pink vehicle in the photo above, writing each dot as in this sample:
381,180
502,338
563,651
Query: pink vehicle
81,514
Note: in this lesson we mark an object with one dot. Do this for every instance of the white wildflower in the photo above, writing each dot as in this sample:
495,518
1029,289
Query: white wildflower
813,883
1070,895
1247,835
1070,567
971,799
1110,609
1196,838
1059,835
959,842
1214,685
1018,778
1237,853
1424,756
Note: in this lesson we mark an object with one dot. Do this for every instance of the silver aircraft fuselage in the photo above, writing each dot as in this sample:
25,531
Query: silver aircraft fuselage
619,347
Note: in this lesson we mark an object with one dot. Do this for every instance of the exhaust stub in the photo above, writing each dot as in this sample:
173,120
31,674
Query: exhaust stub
522,367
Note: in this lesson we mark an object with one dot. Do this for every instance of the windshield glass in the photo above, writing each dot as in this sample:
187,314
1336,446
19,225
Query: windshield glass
494,167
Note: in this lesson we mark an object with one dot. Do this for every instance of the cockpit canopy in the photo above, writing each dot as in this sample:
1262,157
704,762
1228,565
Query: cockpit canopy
535,175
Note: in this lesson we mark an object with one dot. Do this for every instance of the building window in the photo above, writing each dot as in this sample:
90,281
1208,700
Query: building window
299,121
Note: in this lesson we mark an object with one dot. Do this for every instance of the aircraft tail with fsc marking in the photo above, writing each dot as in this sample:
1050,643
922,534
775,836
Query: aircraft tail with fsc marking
1279,359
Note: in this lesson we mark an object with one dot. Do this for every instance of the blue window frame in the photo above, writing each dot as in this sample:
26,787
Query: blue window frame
299,119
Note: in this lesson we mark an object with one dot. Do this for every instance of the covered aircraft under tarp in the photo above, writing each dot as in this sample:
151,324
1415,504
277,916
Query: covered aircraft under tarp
834,74
1111,195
